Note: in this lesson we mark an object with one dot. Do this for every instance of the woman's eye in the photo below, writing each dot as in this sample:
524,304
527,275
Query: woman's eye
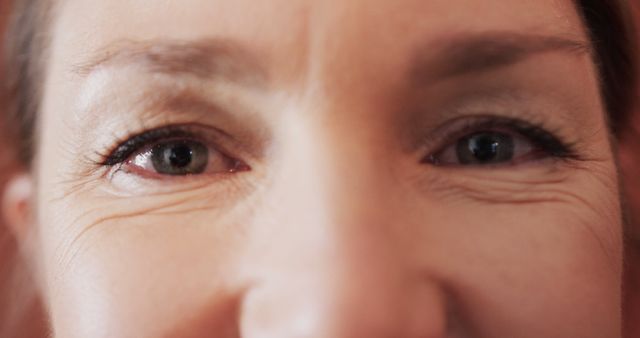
180,158
486,148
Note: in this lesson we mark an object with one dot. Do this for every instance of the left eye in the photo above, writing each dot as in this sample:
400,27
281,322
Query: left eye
485,148
180,158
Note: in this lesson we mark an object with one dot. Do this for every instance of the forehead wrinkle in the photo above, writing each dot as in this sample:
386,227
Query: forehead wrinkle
469,53
203,59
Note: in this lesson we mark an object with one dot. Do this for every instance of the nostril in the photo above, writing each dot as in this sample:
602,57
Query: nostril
218,319
426,315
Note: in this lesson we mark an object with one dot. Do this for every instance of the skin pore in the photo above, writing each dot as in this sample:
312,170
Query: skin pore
302,169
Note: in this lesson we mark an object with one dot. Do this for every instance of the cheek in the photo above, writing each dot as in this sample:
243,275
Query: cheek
123,270
544,256
559,269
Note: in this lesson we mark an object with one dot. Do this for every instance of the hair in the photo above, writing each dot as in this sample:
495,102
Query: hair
26,45
613,35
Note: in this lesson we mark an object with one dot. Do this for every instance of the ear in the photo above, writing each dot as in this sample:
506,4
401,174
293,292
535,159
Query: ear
17,206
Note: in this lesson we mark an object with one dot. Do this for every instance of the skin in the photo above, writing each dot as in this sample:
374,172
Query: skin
338,228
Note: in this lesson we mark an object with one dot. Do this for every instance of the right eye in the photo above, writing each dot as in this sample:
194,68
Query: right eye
181,158
176,153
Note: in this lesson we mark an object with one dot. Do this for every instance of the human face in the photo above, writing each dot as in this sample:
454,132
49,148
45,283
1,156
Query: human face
325,169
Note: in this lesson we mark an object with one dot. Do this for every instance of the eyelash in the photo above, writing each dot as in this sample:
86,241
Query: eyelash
540,136
128,145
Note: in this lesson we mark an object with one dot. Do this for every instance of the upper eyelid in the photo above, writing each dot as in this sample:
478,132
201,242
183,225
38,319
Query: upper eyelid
108,108
185,108
507,99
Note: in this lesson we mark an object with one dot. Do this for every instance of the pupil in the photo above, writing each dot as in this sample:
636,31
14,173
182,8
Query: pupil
180,155
485,148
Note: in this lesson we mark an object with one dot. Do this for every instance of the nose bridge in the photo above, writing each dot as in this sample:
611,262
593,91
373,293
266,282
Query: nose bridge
329,265
330,174
333,193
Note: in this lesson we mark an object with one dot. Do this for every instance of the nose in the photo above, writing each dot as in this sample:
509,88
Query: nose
329,262
343,297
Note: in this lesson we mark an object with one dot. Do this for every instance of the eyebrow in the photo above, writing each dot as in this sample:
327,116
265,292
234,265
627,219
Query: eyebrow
203,59
466,54
450,56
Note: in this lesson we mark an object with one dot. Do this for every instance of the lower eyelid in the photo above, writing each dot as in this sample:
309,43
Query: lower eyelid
135,185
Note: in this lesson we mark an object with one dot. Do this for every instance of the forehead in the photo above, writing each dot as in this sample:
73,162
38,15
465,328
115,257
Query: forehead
291,32
271,16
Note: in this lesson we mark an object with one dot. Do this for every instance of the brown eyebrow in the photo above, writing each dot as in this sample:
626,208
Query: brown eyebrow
465,54
205,59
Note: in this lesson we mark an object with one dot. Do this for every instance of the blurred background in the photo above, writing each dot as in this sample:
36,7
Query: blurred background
33,326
